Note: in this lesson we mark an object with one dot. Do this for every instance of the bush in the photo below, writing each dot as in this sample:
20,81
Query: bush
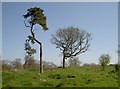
104,60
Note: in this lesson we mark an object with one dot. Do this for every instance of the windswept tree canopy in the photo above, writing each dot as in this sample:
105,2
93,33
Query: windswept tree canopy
71,41
34,16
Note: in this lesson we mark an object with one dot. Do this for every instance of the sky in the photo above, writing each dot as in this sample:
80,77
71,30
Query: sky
98,18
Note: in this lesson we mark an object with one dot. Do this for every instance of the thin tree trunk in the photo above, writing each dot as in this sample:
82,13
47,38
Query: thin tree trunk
32,33
63,61
41,68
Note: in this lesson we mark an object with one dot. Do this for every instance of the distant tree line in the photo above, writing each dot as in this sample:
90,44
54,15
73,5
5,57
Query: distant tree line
28,63
73,62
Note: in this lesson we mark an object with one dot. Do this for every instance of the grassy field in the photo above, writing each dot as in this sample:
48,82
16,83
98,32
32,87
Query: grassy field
84,76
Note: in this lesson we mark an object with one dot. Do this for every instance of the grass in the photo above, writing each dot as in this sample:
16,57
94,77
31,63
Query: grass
84,76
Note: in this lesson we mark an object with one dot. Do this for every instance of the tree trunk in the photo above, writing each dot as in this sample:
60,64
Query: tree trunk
63,61
41,68
103,67
32,33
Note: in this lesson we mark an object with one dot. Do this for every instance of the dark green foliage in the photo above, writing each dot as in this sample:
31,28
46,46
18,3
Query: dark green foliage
28,48
36,17
31,38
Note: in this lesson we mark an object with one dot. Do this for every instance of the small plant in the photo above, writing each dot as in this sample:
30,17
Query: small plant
104,60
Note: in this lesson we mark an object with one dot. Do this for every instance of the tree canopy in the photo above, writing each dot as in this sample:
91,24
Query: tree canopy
71,41
36,16
104,60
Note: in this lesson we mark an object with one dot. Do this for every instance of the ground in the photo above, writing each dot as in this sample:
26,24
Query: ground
83,76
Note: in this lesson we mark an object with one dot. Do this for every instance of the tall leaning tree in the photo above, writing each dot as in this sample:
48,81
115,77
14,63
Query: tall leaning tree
71,41
32,17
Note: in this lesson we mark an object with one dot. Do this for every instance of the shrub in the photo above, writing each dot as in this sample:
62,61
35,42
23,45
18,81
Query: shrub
104,60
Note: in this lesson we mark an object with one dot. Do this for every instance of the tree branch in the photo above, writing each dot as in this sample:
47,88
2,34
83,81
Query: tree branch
32,33
26,24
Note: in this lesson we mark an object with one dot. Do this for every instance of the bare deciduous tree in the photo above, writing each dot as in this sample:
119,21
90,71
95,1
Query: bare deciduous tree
6,65
29,62
71,41
17,63
74,62
48,65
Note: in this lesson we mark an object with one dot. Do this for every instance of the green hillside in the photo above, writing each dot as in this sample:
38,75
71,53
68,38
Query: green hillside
84,76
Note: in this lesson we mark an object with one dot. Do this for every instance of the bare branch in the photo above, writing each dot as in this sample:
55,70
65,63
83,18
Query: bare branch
72,41
26,24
